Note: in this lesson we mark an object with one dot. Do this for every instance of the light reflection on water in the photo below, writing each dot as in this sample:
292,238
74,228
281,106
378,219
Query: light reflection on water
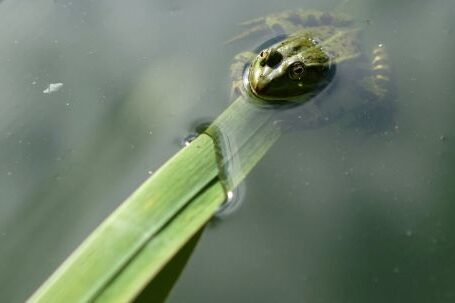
330,214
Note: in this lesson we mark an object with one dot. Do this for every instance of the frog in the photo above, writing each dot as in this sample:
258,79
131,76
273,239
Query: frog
306,52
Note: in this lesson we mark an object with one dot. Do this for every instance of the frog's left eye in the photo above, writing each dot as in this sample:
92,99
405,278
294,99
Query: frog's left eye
296,70
270,57
273,59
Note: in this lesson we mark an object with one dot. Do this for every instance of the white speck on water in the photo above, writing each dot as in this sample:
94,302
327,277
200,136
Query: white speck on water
349,171
34,83
150,172
52,88
409,233
150,132
67,104
9,173
396,270
229,195
277,122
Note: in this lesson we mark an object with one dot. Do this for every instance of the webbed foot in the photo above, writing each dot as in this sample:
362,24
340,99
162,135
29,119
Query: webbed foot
376,85
377,111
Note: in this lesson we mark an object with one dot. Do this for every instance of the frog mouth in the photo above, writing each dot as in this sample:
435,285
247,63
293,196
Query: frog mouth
259,87
264,88
258,83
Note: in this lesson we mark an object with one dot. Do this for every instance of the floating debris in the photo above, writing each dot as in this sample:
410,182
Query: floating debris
52,88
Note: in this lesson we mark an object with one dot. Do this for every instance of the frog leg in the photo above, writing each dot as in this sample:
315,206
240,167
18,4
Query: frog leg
290,21
375,88
237,69
376,85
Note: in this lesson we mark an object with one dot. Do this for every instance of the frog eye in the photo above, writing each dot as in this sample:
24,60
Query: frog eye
296,70
270,57
273,59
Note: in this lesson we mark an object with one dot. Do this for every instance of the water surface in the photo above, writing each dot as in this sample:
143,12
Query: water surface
330,215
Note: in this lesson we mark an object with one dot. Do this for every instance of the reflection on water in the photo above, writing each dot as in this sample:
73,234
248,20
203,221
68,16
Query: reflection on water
331,214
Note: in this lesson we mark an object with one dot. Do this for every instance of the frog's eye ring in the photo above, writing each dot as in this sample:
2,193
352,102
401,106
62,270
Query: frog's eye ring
263,57
296,70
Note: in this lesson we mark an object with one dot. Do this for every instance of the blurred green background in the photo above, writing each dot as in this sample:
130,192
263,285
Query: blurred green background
329,215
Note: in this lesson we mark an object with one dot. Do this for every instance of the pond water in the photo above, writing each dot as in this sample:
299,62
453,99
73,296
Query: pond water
98,94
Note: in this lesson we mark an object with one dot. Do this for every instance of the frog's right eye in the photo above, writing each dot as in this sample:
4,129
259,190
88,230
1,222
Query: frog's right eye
296,70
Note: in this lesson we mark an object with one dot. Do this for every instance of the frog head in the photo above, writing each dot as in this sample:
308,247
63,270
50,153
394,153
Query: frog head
290,70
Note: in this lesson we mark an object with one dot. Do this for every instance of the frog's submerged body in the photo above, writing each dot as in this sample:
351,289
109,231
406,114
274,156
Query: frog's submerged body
305,53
